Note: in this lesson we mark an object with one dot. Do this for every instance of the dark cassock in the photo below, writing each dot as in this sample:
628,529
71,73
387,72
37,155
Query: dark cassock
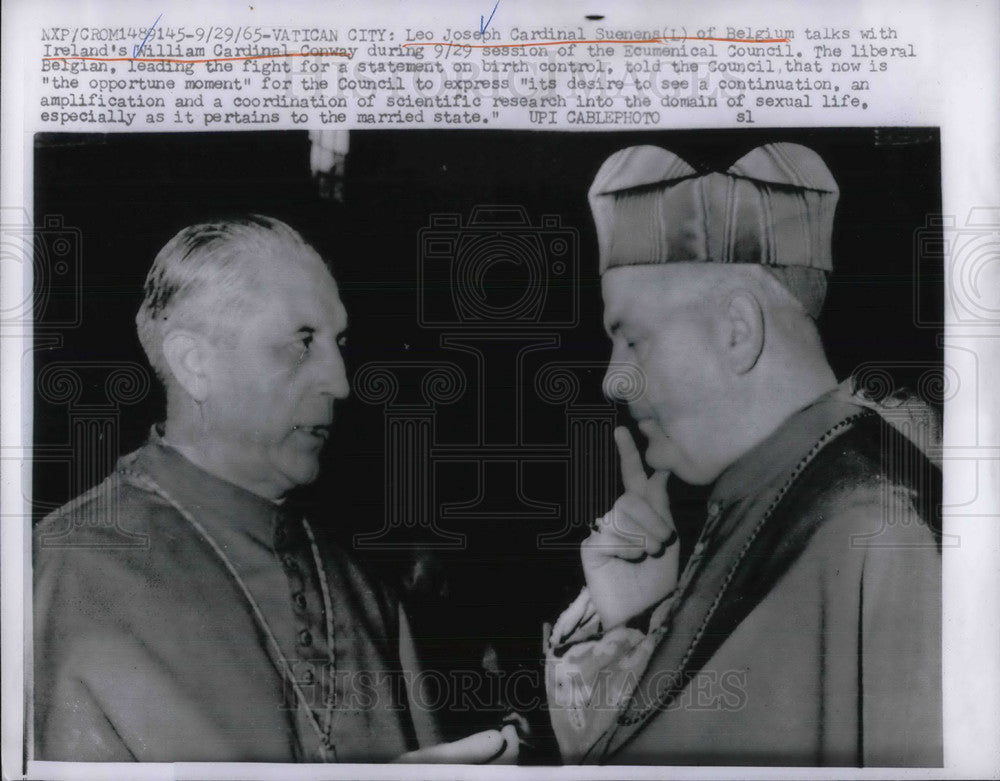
235,632
805,628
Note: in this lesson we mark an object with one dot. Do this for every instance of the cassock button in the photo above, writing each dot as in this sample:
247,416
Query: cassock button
289,561
308,677
305,638
714,509
280,537
299,600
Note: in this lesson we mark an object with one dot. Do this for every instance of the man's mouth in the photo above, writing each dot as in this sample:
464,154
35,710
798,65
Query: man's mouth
321,431
650,428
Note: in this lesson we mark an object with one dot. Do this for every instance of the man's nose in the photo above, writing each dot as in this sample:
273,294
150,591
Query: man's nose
334,374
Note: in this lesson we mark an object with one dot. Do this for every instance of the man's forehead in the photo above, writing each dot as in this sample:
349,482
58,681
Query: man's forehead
302,289
297,266
625,284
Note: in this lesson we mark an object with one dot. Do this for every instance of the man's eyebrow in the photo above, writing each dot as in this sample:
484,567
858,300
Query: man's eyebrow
306,329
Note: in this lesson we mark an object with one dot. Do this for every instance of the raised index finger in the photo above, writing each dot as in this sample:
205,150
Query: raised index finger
633,474
656,494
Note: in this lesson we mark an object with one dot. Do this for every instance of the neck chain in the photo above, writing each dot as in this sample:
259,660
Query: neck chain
327,748
324,586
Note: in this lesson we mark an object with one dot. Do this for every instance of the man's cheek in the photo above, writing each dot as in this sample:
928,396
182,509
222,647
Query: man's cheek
257,412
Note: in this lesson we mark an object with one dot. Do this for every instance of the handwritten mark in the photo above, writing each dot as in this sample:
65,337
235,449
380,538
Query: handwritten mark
482,27
149,32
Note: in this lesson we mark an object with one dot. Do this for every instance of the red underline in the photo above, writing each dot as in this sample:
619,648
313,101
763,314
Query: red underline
212,59
611,40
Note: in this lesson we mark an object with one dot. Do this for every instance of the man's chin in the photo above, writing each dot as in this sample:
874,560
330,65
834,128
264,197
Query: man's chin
300,469
660,455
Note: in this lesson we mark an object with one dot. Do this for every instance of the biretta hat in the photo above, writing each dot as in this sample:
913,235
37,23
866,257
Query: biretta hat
773,207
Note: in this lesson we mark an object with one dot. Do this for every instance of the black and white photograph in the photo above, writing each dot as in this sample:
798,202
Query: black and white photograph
489,447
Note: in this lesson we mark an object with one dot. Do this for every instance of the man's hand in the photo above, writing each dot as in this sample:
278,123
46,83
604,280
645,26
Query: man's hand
497,747
630,559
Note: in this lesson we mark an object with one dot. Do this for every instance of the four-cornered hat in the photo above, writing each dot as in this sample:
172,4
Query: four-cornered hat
773,207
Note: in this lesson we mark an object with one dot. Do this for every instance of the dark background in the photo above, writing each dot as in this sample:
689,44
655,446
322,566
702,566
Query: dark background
127,194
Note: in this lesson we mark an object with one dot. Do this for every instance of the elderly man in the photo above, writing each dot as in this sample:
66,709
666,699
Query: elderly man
805,628
238,633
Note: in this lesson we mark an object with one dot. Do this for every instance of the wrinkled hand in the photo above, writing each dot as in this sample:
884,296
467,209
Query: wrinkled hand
630,560
497,747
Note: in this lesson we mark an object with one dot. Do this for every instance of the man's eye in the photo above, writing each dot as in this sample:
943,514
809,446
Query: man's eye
304,344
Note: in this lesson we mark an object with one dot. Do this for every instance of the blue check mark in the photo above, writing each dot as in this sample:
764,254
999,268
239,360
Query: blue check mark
482,27
137,49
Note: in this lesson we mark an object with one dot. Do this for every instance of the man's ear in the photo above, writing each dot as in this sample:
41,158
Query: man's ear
187,354
744,332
